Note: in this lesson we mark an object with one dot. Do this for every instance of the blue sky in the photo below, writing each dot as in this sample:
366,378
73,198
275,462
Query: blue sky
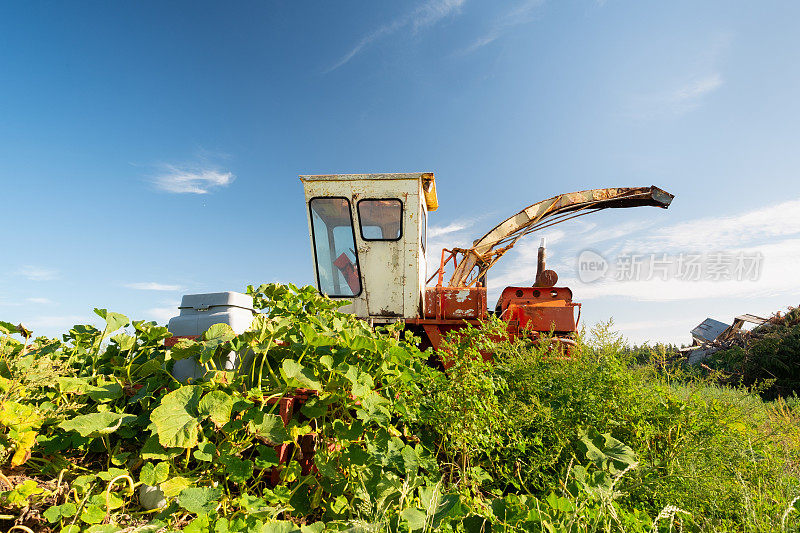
149,150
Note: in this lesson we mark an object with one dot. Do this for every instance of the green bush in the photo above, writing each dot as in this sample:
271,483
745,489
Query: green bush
511,437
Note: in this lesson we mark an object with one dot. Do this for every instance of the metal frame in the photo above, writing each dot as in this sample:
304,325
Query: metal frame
355,250
361,226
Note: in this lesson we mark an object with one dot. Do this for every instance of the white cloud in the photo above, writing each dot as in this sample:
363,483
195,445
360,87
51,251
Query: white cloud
638,325
521,14
695,89
425,15
40,301
36,273
191,180
678,100
153,286
724,231
161,314
53,325
438,231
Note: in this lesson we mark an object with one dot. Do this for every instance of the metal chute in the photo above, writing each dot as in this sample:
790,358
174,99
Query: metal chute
473,263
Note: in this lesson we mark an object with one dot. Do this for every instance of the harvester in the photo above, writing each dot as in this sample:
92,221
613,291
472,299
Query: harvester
369,245
368,240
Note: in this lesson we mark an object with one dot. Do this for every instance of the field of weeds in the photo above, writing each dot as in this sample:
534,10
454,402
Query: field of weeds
98,436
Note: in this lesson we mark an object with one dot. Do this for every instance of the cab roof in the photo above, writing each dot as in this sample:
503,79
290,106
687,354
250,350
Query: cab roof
426,178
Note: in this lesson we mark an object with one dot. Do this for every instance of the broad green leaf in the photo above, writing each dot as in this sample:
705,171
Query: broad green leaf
114,321
217,406
415,518
606,451
267,457
348,432
296,375
279,526
18,496
477,524
176,419
125,342
410,459
104,392
220,332
205,451
113,501
238,470
184,349
7,328
174,485
199,500
69,385
24,442
314,408
269,427
111,473
96,424
314,338
55,512
362,382
103,528
154,474
152,450
93,514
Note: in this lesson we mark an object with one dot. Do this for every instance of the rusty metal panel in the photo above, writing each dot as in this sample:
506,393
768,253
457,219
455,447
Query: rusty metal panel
544,317
455,302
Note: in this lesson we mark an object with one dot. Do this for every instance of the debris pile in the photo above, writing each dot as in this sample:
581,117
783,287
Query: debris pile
711,335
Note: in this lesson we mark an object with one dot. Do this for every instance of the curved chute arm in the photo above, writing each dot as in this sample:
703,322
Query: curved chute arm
474,262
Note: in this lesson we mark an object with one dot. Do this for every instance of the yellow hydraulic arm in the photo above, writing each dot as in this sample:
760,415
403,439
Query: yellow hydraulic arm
473,263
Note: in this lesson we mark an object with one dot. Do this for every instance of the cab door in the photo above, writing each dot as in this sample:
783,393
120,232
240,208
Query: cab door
380,223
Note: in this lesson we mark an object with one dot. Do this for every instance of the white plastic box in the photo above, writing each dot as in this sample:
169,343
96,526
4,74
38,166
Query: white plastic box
198,312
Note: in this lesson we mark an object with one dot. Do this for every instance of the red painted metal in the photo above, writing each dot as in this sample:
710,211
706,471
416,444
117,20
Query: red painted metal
287,405
169,342
541,309
455,303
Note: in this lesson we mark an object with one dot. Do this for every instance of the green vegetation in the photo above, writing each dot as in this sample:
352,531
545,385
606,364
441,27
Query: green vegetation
94,430
769,357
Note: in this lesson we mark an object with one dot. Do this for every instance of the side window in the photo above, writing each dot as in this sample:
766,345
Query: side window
381,220
334,247
424,229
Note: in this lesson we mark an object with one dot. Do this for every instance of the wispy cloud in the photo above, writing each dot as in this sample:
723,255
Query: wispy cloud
425,15
161,314
686,90
729,231
51,325
438,231
680,99
191,179
520,14
39,301
37,273
153,286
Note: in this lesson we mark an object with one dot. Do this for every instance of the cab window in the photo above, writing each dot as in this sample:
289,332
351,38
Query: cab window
334,247
423,238
381,220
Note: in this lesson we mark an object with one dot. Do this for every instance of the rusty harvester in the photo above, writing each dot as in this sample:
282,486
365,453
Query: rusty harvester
368,239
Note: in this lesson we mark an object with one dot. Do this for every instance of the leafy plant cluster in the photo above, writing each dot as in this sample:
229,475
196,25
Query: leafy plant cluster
326,424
